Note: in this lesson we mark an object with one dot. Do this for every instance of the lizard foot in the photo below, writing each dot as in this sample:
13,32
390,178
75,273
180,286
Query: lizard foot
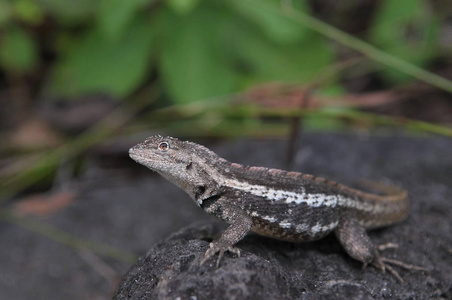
221,248
384,264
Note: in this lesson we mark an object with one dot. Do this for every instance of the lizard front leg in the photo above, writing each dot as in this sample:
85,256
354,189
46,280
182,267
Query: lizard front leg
240,225
353,237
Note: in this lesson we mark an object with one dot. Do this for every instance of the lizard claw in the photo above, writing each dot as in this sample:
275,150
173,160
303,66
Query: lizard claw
221,248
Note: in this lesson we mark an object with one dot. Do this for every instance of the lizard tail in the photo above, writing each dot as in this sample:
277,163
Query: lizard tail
391,203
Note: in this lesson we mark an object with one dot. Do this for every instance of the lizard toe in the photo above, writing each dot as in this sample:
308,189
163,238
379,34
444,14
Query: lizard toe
220,248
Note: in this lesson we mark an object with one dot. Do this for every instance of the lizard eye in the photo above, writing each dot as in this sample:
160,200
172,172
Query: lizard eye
164,146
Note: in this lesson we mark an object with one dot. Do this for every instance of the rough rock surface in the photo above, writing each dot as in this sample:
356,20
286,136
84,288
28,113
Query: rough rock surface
271,269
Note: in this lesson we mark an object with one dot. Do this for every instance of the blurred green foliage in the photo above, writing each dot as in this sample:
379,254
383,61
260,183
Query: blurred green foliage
407,29
191,50
19,52
195,49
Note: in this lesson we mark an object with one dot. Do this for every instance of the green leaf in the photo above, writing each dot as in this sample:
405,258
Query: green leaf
407,29
97,64
18,51
333,89
115,15
28,11
299,62
193,63
5,12
182,6
266,14
69,11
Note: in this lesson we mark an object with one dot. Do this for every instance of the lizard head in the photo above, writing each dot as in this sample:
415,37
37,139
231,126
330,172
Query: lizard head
160,154
181,162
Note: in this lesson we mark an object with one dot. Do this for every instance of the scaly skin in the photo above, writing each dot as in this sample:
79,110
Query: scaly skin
284,205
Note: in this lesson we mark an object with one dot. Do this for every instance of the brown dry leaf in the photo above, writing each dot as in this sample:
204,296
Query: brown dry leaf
283,95
276,95
44,205
34,134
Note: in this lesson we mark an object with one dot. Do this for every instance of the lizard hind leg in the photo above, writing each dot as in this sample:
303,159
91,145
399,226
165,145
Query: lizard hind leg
353,237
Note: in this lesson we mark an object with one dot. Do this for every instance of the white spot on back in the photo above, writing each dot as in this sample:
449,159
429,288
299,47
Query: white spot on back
269,219
313,200
285,224
301,197
317,229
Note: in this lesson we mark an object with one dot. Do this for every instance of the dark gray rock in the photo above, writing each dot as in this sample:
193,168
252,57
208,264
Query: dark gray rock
133,209
171,270
271,269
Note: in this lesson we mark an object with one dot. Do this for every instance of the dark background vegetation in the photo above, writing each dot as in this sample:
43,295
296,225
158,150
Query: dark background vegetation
82,81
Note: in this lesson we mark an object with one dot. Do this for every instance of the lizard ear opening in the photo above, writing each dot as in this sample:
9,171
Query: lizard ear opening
199,192
189,166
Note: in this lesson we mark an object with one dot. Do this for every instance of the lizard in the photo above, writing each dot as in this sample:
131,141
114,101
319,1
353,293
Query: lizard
285,205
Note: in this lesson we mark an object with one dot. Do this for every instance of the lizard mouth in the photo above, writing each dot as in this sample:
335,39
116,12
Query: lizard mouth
142,157
137,154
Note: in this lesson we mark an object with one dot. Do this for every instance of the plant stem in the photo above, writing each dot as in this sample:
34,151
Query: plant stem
365,48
